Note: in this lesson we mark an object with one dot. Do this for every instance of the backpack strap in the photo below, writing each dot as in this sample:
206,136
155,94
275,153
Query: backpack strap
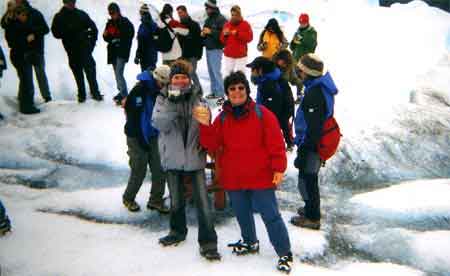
258,111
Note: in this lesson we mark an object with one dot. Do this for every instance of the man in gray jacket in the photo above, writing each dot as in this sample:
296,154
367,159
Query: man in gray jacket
181,155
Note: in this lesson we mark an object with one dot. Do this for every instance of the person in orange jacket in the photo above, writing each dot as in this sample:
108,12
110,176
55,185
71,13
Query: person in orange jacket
236,35
272,39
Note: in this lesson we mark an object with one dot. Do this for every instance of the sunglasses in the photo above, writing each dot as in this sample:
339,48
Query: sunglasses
236,87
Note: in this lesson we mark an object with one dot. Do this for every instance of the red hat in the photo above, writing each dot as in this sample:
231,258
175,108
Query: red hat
303,19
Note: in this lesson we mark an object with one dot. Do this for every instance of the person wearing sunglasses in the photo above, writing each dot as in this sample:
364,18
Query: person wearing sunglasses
119,33
250,151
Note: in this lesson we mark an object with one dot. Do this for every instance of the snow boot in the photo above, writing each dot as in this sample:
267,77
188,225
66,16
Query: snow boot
302,221
158,206
285,263
118,99
241,248
5,226
172,239
131,205
210,254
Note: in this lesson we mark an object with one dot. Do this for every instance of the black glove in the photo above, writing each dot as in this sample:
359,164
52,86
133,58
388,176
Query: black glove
300,160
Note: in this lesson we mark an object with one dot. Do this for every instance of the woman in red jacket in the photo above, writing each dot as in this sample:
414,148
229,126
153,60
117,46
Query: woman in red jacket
252,158
236,35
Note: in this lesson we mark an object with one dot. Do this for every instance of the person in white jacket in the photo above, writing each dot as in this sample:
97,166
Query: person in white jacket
175,28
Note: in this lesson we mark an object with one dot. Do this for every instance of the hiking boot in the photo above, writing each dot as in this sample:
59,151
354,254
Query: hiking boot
304,222
131,205
97,97
171,239
210,254
47,99
81,99
290,148
5,227
118,99
285,263
241,248
158,206
30,110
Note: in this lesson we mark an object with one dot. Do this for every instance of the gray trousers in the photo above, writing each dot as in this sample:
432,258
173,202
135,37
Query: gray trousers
140,158
119,67
194,75
39,70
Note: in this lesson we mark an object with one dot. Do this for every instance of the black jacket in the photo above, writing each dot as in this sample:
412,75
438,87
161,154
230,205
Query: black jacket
215,23
192,44
119,44
77,31
314,108
2,62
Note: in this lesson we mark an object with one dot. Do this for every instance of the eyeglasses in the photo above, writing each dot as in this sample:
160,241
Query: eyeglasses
236,87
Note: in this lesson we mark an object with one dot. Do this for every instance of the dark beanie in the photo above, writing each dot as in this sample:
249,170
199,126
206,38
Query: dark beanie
69,1
114,7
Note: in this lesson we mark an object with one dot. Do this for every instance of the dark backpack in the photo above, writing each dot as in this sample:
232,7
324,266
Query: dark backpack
287,97
163,39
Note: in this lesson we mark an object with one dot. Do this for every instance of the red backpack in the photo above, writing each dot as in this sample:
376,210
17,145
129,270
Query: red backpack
329,142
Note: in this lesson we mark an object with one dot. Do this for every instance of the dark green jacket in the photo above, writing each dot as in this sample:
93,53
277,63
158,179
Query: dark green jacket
303,42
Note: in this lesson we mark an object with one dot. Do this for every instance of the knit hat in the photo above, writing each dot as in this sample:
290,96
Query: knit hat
211,4
144,9
69,1
180,66
162,74
312,65
303,19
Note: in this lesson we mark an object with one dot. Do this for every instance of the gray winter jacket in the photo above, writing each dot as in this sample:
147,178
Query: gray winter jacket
170,119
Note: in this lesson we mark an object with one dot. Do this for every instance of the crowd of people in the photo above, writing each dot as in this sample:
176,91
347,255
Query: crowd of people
169,125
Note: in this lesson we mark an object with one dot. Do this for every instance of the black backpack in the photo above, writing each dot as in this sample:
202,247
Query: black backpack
163,39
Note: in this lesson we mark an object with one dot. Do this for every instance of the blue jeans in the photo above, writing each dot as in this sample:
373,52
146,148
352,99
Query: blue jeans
265,203
308,185
214,61
119,67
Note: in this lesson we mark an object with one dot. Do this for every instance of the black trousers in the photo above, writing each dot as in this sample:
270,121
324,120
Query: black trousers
81,64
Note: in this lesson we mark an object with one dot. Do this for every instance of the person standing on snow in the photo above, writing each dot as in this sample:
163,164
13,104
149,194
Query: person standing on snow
214,48
142,139
175,29
146,53
236,35
272,39
79,35
303,42
192,44
119,33
317,106
2,68
274,93
18,39
250,172
37,29
182,155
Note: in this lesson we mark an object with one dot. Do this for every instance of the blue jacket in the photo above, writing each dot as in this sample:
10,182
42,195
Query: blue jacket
139,109
146,50
317,106
271,94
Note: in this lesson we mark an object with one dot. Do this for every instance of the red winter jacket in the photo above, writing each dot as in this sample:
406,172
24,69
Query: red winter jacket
236,45
249,149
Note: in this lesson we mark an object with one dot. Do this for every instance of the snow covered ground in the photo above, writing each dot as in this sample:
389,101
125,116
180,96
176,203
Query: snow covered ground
62,172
